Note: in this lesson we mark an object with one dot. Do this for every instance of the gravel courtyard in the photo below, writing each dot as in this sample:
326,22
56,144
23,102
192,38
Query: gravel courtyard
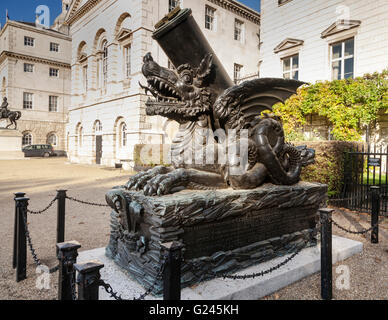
40,178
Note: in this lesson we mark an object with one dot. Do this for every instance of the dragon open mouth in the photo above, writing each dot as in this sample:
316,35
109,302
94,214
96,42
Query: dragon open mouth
162,90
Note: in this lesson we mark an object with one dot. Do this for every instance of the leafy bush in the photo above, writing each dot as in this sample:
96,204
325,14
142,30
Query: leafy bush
347,104
329,164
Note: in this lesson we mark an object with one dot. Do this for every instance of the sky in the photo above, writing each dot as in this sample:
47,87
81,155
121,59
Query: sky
24,10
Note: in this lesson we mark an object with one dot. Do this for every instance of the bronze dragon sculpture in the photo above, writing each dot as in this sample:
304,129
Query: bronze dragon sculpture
206,121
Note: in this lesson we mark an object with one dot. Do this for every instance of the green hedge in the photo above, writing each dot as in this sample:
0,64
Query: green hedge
329,163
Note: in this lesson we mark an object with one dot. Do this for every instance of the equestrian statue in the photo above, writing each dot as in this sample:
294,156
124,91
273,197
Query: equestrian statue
12,116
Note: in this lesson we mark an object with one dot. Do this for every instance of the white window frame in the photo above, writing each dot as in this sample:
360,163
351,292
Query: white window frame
123,135
237,68
54,72
53,103
30,139
238,30
342,58
29,41
54,47
127,61
292,70
55,144
211,13
29,102
26,69
105,55
85,77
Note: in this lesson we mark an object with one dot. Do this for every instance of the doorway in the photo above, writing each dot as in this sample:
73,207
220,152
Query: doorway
98,149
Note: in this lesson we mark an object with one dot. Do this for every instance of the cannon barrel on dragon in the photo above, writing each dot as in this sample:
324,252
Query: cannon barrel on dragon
219,229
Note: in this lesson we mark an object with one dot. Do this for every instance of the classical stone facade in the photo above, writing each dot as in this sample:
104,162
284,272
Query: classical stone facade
110,38
324,40
35,74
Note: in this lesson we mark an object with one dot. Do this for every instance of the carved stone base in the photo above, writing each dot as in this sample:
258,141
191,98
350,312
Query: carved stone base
222,231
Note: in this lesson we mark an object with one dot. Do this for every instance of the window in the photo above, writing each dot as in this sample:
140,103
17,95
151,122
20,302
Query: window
238,30
53,103
54,72
172,4
291,67
27,139
80,136
85,77
52,139
342,60
98,128
127,56
54,47
27,100
28,41
28,67
209,18
237,72
123,135
105,65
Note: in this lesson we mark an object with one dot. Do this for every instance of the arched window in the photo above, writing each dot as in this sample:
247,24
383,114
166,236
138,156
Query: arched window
123,134
80,136
98,127
83,62
52,139
105,63
27,139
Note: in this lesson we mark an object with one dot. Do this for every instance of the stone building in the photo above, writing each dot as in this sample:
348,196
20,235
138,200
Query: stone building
110,38
35,76
324,40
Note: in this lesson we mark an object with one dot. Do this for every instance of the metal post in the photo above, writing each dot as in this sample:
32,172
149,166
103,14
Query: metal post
67,256
326,254
172,271
88,279
375,213
21,255
15,230
61,209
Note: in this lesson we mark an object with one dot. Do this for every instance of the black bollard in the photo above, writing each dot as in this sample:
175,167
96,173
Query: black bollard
326,254
15,230
375,213
67,256
21,246
172,271
61,210
88,279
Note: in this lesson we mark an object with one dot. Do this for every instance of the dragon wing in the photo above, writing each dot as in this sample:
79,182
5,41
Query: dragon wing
242,103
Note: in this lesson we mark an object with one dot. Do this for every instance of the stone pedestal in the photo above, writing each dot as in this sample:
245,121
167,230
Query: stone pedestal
222,231
10,145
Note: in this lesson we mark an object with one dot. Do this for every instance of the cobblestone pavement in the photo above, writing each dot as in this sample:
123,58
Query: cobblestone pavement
39,178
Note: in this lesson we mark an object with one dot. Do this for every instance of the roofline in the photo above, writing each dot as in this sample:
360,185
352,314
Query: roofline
235,5
52,33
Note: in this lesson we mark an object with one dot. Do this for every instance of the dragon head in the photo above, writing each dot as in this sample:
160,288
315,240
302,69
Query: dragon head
179,95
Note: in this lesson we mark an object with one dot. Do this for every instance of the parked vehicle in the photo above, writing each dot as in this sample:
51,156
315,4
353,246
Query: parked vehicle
39,150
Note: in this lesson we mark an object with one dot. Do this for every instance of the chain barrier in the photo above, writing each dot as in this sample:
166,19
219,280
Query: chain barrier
32,250
108,288
87,203
45,209
354,232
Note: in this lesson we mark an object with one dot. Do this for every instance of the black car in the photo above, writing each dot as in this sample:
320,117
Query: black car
39,150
